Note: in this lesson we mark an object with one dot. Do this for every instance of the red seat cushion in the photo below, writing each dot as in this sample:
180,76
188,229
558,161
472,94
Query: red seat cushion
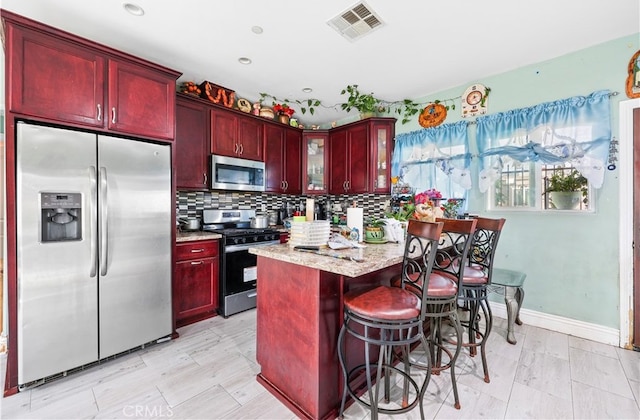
440,284
474,275
383,302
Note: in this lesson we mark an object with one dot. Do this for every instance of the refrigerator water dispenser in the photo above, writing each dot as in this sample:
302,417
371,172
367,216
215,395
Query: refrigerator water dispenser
61,216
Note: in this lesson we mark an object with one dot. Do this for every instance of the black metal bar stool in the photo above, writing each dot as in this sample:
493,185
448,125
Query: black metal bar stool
390,318
474,286
441,295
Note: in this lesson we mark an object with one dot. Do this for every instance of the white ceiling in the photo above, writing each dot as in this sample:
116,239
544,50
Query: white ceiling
425,46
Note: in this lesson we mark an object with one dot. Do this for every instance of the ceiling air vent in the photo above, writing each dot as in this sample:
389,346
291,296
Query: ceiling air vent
356,22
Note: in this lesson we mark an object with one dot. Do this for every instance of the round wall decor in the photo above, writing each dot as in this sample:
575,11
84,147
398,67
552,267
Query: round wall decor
432,115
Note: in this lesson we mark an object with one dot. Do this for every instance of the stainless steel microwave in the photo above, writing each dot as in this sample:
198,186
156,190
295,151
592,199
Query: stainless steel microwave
228,173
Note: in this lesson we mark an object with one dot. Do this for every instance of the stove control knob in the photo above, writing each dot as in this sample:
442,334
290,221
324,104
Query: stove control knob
256,238
243,240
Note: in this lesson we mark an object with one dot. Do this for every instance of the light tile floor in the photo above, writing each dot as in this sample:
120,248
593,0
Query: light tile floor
209,373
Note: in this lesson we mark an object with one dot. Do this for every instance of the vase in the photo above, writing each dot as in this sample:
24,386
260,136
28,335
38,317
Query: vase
283,118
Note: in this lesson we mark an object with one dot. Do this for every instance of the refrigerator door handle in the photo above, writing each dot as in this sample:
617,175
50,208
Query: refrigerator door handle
94,221
104,222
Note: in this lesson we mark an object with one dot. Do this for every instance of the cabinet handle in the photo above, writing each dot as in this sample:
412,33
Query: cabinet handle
241,149
236,148
113,115
286,185
197,250
99,112
197,262
282,185
205,178
348,185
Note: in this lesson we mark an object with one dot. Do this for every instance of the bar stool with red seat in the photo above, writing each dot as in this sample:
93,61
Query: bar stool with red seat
474,285
390,318
442,295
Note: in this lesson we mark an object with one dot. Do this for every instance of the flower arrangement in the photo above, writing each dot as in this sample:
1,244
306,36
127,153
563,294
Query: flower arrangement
451,207
283,109
420,206
433,194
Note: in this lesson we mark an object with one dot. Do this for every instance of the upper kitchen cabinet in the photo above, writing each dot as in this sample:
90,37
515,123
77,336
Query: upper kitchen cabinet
59,77
236,135
349,159
360,156
314,163
282,152
192,143
382,132
141,101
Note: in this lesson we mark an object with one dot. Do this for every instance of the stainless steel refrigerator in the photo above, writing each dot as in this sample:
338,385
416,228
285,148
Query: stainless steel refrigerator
93,247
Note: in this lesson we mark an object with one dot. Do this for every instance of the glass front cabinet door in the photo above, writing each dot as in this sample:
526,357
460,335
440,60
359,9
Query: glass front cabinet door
315,154
382,134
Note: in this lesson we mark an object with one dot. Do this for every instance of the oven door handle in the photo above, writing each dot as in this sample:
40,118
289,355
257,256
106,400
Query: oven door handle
244,247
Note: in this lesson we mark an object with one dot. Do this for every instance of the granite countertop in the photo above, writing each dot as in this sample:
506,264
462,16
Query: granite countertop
376,257
196,236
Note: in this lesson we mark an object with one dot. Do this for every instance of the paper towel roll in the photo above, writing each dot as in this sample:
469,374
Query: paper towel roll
309,209
355,221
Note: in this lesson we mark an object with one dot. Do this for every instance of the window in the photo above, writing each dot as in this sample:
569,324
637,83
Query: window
529,158
524,186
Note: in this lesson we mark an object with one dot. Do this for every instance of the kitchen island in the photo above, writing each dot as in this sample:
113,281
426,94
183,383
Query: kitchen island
299,315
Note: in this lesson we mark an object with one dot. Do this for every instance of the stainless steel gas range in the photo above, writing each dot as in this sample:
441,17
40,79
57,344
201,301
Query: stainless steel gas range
238,271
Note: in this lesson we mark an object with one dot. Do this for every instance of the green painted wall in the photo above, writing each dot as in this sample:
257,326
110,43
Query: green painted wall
571,259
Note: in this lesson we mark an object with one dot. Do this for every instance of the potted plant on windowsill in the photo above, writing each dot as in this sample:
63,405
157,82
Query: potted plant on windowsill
567,189
367,104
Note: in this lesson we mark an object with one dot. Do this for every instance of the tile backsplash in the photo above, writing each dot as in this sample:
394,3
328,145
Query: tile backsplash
191,203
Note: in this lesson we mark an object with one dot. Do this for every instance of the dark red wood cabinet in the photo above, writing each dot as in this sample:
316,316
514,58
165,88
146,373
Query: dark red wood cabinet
236,135
283,159
360,156
196,279
349,160
50,77
65,79
192,144
141,101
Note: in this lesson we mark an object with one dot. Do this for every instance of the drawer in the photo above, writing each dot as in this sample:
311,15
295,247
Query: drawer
196,250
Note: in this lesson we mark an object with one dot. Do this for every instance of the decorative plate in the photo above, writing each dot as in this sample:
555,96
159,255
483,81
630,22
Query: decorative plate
432,115
244,105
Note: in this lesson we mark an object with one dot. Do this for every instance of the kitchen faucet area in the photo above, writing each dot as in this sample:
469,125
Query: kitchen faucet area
221,210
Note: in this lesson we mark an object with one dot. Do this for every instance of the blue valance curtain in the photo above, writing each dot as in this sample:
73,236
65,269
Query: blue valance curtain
575,130
434,158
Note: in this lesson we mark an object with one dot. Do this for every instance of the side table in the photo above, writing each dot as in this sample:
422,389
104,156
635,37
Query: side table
509,283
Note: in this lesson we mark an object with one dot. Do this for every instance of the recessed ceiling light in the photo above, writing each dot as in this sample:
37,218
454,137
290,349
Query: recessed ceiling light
134,9
307,90
244,60
256,29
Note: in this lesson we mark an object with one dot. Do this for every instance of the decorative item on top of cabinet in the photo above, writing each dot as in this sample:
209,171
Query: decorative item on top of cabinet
283,159
139,99
217,94
315,146
196,281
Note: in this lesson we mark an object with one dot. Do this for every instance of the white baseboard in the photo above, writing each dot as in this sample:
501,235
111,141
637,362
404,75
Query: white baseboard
586,330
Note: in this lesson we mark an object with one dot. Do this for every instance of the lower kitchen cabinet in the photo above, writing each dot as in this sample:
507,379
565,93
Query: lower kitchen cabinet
196,279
